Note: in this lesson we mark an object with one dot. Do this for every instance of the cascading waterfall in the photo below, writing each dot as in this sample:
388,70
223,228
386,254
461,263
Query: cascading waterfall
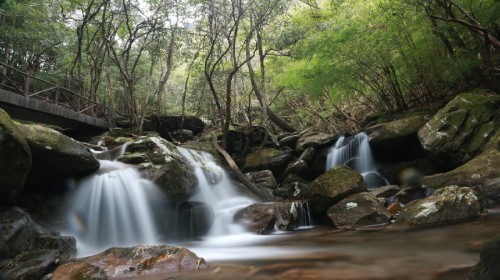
355,152
216,189
111,208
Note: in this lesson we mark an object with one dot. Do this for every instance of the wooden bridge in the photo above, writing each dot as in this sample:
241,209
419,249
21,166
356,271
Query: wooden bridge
26,97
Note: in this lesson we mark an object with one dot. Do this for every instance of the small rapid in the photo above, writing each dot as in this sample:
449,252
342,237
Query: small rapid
355,152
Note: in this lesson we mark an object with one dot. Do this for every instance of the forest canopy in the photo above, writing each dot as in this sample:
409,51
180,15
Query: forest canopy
286,64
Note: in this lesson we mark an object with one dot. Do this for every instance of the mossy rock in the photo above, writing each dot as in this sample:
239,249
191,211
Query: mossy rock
397,139
362,209
482,172
333,186
488,266
56,158
463,129
159,161
447,205
268,159
15,159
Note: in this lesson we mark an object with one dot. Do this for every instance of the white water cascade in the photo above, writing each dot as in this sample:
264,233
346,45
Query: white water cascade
111,208
216,189
355,152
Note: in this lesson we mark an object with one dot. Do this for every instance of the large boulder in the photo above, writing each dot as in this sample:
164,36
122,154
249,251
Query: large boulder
482,172
268,159
394,137
168,124
446,205
314,139
463,129
264,218
263,178
56,157
159,161
333,186
488,266
15,159
362,209
138,261
28,250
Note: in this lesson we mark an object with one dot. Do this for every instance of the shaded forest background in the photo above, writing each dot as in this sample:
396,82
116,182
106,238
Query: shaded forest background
285,64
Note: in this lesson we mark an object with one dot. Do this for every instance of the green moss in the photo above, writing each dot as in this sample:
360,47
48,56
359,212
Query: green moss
260,157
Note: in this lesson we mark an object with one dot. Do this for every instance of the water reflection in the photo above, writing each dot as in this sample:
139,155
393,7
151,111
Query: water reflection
326,253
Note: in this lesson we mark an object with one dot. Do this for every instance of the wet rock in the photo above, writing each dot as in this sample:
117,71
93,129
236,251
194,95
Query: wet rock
138,261
488,266
396,138
482,172
299,168
29,265
446,205
289,140
407,194
308,154
56,158
314,139
262,178
463,129
20,233
333,186
264,218
15,160
27,250
362,209
206,147
79,270
394,208
161,162
168,124
267,159
385,191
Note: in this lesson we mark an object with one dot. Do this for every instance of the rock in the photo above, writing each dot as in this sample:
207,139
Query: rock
407,172
408,194
15,160
56,158
333,186
262,178
183,135
463,129
167,124
29,265
446,205
396,140
394,208
314,139
267,159
138,261
159,161
289,140
192,220
488,266
482,172
452,272
299,168
308,154
79,270
27,250
20,233
362,209
385,191
264,218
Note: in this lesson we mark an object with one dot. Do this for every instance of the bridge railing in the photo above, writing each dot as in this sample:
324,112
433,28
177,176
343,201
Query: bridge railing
29,86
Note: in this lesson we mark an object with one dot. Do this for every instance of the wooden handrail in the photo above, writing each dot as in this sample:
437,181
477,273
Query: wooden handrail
60,92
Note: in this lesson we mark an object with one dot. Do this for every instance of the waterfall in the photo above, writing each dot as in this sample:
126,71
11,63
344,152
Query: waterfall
216,189
112,208
355,152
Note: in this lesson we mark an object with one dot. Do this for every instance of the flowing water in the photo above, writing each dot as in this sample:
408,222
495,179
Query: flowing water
111,208
356,153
